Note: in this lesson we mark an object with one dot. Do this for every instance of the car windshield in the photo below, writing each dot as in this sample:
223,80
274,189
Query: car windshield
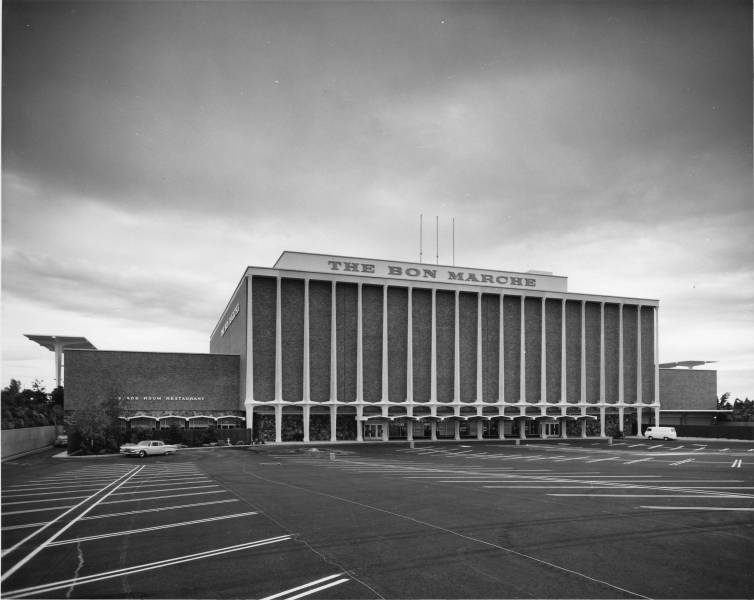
145,443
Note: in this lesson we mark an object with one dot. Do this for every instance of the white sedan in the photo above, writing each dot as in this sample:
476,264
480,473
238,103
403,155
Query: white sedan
147,447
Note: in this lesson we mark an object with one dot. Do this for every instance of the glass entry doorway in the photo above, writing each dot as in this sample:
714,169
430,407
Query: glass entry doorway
551,429
372,431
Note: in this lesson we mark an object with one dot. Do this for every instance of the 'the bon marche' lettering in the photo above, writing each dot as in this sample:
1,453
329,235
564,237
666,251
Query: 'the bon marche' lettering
426,273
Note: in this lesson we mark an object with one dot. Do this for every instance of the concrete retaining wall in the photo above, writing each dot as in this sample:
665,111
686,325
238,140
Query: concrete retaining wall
18,441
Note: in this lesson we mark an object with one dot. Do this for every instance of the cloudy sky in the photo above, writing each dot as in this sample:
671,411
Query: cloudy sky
152,150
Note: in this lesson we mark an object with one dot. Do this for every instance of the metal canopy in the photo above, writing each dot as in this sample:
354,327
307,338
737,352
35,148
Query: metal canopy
58,344
66,342
689,364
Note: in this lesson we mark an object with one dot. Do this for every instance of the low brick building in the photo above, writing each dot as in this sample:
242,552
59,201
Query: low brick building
157,389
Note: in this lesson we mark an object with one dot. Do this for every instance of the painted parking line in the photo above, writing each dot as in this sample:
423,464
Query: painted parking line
146,529
308,588
127,513
653,447
45,500
638,460
726,508
168,489
95,577
126,493
737,464
591,487
35,510
686,495
141,485
36,491
680,462
163,497
103,493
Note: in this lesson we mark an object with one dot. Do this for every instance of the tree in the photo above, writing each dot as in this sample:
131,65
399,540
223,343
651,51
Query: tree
25,407
743,410
57,405
96,427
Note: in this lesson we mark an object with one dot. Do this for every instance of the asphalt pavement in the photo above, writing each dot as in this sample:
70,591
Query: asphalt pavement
477,519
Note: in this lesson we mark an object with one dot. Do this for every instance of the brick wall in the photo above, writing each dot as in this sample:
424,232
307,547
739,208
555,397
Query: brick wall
154,382
422,347
371,296
690,389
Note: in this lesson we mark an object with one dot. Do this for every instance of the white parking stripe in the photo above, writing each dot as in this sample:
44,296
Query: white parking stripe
57,585
169,489
307,585
161,497
117,483
49,508
740,508
591,487
687,495
33,510
45,500
147,485
52,485
145,529
57,488
124,513
160,509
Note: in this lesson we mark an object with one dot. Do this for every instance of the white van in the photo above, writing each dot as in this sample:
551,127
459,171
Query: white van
665,433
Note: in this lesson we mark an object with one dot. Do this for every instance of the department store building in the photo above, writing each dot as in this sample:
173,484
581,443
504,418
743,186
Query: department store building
328,348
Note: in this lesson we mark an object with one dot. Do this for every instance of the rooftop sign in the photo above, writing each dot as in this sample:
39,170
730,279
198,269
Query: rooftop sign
322,263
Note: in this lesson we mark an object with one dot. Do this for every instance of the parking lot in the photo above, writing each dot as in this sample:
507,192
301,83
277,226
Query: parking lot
548,519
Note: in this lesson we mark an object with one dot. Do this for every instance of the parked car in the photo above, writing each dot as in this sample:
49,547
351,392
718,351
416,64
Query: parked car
148,447
61,441
666,433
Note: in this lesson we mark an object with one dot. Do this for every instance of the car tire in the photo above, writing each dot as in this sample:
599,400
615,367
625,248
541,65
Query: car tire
649,437
142,454
666,438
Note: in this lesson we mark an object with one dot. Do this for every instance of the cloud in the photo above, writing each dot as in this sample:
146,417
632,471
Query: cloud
152,151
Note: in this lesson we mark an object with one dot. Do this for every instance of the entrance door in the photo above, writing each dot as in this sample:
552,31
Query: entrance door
552,429
372,431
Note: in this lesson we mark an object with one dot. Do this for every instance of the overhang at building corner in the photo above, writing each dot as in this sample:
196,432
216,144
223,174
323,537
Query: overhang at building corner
442,274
